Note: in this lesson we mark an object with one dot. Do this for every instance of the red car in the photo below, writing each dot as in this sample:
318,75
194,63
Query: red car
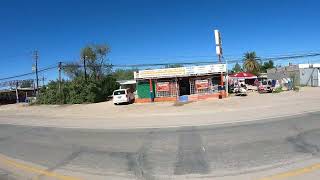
265,86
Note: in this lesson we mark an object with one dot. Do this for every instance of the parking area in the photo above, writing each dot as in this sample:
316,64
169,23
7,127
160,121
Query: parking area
106,115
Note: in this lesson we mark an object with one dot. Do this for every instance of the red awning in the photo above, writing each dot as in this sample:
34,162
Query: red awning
243,75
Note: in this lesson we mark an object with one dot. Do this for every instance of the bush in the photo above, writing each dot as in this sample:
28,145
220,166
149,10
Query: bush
78,91
48,94
277,90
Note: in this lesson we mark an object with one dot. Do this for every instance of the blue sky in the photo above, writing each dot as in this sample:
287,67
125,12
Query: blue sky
153,31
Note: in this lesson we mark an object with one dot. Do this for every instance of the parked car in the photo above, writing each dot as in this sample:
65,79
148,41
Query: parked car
265,86
123,96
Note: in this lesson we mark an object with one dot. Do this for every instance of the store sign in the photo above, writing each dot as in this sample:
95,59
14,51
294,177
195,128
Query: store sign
156,73
163,86
181,71
206,69
202,84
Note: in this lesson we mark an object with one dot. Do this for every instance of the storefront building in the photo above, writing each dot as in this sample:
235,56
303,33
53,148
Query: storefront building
182,83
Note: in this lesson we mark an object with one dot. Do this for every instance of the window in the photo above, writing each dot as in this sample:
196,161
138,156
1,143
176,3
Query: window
120,92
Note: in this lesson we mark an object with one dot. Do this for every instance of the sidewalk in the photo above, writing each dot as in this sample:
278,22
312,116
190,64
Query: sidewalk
159,115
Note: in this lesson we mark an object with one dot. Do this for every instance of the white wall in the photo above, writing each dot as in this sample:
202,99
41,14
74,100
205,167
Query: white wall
309,77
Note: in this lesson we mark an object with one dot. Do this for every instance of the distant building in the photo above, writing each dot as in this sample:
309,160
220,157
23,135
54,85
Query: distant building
309,74
11,96
302,74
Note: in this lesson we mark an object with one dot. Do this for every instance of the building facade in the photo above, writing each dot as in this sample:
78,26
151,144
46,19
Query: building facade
309,75
291,72
171,84
301,75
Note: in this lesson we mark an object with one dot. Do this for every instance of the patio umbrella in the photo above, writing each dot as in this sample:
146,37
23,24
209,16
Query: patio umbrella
243,75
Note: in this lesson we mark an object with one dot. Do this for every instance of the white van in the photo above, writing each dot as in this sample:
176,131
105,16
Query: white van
123,96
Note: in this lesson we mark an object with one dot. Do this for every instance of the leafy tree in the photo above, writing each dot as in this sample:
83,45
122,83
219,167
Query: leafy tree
124,74
250,63
237,68
267,65
94,59
96,87
93,62
72,70
102,50
173,65
107,85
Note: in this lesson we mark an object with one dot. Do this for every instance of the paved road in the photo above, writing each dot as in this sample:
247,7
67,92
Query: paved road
220,151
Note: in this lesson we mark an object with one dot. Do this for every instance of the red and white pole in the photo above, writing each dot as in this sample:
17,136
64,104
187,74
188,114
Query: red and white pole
151,90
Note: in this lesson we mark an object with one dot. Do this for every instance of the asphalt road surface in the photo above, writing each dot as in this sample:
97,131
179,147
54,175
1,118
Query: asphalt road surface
219,151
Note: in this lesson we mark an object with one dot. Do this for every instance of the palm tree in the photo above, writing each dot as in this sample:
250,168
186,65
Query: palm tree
250,63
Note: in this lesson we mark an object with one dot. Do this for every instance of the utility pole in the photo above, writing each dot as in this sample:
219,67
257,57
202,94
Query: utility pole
59,68
43,81
17,93
84,66
36,57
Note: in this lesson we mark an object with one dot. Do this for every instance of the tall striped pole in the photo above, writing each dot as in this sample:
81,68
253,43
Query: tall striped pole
151,91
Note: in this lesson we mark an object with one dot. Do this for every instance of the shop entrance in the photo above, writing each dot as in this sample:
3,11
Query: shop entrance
184,86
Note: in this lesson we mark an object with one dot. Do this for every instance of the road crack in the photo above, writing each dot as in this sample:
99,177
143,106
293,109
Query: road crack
138,162
301,143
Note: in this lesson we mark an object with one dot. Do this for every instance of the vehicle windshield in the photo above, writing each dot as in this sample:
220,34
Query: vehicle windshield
120,92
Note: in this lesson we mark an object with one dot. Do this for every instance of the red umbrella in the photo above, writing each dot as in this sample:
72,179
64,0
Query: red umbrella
243,75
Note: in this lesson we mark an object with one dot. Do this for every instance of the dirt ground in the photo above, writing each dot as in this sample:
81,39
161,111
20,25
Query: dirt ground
214,111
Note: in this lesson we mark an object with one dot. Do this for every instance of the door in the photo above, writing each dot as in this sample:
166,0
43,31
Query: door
184,86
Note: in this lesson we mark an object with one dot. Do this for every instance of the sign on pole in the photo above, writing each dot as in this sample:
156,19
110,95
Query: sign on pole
217,37
33,68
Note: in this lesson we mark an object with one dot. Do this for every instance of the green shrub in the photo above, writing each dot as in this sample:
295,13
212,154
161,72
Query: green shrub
277,90
78,91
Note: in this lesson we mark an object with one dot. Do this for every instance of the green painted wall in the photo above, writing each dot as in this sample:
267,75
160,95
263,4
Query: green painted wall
143,89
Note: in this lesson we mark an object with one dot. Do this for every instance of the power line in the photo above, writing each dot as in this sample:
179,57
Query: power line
230,61
263,59
233,56
278,58
28,74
